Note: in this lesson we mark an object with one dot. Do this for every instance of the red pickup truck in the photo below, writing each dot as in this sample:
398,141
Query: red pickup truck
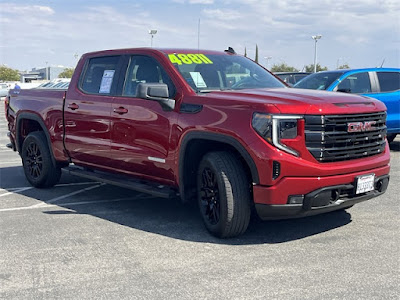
214,127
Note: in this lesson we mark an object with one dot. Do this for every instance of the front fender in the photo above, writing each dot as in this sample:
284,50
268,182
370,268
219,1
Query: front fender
211,137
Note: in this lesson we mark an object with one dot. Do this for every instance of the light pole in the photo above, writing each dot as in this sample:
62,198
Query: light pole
152,32
268,59
315,38
47,76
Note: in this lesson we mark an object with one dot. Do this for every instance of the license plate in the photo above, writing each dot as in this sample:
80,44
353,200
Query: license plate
365,183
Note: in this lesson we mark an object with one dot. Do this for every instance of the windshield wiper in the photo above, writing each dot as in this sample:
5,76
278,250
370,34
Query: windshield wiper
212,90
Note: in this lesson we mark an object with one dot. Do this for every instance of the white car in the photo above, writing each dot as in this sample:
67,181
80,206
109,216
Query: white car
4,89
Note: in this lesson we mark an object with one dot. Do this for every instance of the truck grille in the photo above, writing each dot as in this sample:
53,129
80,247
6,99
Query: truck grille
328,139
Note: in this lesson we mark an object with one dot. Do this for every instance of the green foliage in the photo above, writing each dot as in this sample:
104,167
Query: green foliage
283,68
8,74
67,73
344,66
310,68
256,58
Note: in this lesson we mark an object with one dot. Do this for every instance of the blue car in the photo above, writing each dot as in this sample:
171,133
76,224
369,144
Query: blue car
379,83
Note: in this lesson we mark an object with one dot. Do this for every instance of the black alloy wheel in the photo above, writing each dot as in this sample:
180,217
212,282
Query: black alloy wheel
223,194
34,161
37,161
210,203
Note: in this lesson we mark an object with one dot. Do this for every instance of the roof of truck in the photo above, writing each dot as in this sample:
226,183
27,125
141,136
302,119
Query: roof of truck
158,50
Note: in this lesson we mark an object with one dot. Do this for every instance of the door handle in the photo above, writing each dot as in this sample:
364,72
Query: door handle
120,110
73,106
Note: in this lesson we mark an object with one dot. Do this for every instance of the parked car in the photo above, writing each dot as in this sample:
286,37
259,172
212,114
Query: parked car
4,89
379,83
58,83
291,78
172,123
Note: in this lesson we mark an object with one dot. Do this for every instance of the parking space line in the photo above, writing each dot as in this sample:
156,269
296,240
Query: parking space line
42,204
101,201
72,194
77,183
46,205
14,191
11,163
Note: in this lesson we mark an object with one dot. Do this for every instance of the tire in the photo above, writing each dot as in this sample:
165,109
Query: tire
390,137
37,161
223,195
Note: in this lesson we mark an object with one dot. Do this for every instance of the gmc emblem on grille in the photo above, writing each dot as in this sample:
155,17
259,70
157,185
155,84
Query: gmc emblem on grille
360,126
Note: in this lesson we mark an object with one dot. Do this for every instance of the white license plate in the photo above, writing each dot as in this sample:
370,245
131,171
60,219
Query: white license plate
365,183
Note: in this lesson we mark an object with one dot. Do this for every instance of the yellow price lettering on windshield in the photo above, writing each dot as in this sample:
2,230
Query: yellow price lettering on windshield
204,58
174,59
189,59
195,59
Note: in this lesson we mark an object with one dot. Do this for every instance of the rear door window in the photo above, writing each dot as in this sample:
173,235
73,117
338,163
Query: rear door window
358,83
389,81
100,75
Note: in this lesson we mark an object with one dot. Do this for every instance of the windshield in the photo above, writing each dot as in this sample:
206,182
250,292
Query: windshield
318,81
206,73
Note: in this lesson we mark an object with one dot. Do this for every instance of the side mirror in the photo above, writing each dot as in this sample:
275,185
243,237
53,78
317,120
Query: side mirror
156,92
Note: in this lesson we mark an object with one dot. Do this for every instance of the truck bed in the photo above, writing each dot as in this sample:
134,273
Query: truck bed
42,105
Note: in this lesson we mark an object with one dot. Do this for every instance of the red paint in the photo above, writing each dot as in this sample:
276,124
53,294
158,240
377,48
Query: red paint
119,134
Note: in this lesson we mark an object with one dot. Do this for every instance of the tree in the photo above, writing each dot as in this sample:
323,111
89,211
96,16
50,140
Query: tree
310,68
283,68
67,73
256,59
344,66
8,74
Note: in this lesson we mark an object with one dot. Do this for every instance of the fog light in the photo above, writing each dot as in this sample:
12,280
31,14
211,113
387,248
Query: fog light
296,199
335,195
379,185
382,184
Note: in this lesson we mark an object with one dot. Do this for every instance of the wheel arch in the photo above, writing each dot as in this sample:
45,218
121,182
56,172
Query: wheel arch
27,123
195,145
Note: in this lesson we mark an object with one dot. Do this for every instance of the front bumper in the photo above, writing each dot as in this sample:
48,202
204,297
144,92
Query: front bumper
321,200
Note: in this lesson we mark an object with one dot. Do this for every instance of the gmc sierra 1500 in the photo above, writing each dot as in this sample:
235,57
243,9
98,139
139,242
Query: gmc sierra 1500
209,126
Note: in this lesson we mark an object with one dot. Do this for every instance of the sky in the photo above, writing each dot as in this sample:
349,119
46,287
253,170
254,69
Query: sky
360,33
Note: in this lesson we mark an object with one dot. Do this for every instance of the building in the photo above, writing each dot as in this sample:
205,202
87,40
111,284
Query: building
48,73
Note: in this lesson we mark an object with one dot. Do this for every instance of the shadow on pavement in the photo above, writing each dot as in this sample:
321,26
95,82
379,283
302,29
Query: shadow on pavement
395,145
170,218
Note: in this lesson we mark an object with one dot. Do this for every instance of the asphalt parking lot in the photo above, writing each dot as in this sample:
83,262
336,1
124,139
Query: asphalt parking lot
86,240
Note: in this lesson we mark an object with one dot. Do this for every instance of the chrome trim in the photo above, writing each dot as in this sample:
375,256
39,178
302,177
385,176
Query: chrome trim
275,132
156,159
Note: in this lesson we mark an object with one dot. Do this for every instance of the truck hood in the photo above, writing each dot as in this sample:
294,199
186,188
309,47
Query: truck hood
301,101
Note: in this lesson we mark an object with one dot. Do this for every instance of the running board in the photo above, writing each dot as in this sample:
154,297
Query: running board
154,189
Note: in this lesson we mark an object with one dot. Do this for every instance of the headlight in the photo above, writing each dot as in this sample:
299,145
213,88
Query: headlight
273,128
